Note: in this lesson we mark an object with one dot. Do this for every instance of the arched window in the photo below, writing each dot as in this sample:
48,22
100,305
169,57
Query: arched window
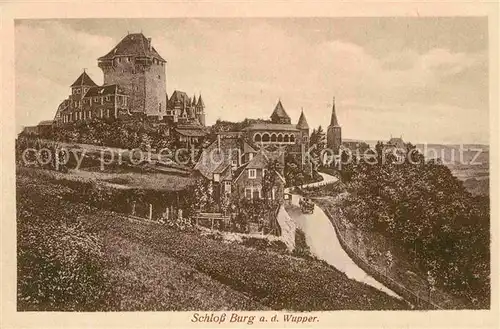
292,139
265,137
280,138
257,138
273,138
286,139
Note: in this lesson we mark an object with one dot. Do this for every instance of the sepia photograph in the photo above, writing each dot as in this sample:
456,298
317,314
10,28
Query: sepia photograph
232,164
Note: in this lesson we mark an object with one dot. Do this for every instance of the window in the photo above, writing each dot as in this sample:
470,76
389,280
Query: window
159,107
119,59
107,113
256,194
78,91
96,99
264,172
227,186
248,193
84,115
234,163
102,100
107,98
273,193
85,90
216,177
159,77
252,173
90,114
250,156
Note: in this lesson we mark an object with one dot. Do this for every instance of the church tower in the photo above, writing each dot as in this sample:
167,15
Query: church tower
334,133
135,65
200,111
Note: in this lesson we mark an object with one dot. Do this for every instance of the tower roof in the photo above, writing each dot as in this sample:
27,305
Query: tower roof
84,80
193,101
279,111
334,122
179,96
134,44
302,124
200,102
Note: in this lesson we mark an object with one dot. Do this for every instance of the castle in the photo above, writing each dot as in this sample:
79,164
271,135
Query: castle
134,86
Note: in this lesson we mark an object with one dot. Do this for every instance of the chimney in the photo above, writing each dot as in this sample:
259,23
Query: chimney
149,44
218,142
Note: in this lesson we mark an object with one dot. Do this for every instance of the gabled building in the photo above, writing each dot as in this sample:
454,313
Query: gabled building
220,160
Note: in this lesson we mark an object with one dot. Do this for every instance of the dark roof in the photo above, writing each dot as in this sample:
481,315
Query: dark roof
397,142
134,44
102,90
272,126
83,80
261,159
302,124
279,111
193,101
191,132
200,102
46,123
211,161
333,121
180,96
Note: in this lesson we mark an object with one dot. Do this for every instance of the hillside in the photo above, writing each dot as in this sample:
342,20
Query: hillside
147,266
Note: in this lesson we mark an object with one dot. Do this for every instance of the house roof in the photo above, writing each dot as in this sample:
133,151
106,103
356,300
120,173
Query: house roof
181,97
302,124
102,90
397,142
134,44
261,159
46,123
83,80
212,161
191,132
272,126
279,111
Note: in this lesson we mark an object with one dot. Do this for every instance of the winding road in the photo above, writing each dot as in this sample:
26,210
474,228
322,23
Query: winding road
323,241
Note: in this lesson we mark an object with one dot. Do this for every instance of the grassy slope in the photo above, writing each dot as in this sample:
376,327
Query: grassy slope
172,270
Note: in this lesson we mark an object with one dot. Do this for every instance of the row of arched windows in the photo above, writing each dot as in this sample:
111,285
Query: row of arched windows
274,138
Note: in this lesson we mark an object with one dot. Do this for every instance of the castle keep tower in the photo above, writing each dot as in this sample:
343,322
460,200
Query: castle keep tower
135,65
334,132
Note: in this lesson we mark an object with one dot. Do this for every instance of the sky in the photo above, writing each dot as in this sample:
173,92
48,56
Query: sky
425,79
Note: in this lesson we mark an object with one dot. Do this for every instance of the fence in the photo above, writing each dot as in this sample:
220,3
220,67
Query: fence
416,298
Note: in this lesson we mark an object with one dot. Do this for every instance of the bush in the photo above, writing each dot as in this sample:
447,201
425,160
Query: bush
60,265
301,248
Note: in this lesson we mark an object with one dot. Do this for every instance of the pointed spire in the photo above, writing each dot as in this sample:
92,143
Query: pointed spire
84,80
200,102
302,124
279,114
334,122
193,102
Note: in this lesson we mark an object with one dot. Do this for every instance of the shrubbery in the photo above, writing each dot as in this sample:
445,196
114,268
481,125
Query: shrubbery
426,210
60,264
